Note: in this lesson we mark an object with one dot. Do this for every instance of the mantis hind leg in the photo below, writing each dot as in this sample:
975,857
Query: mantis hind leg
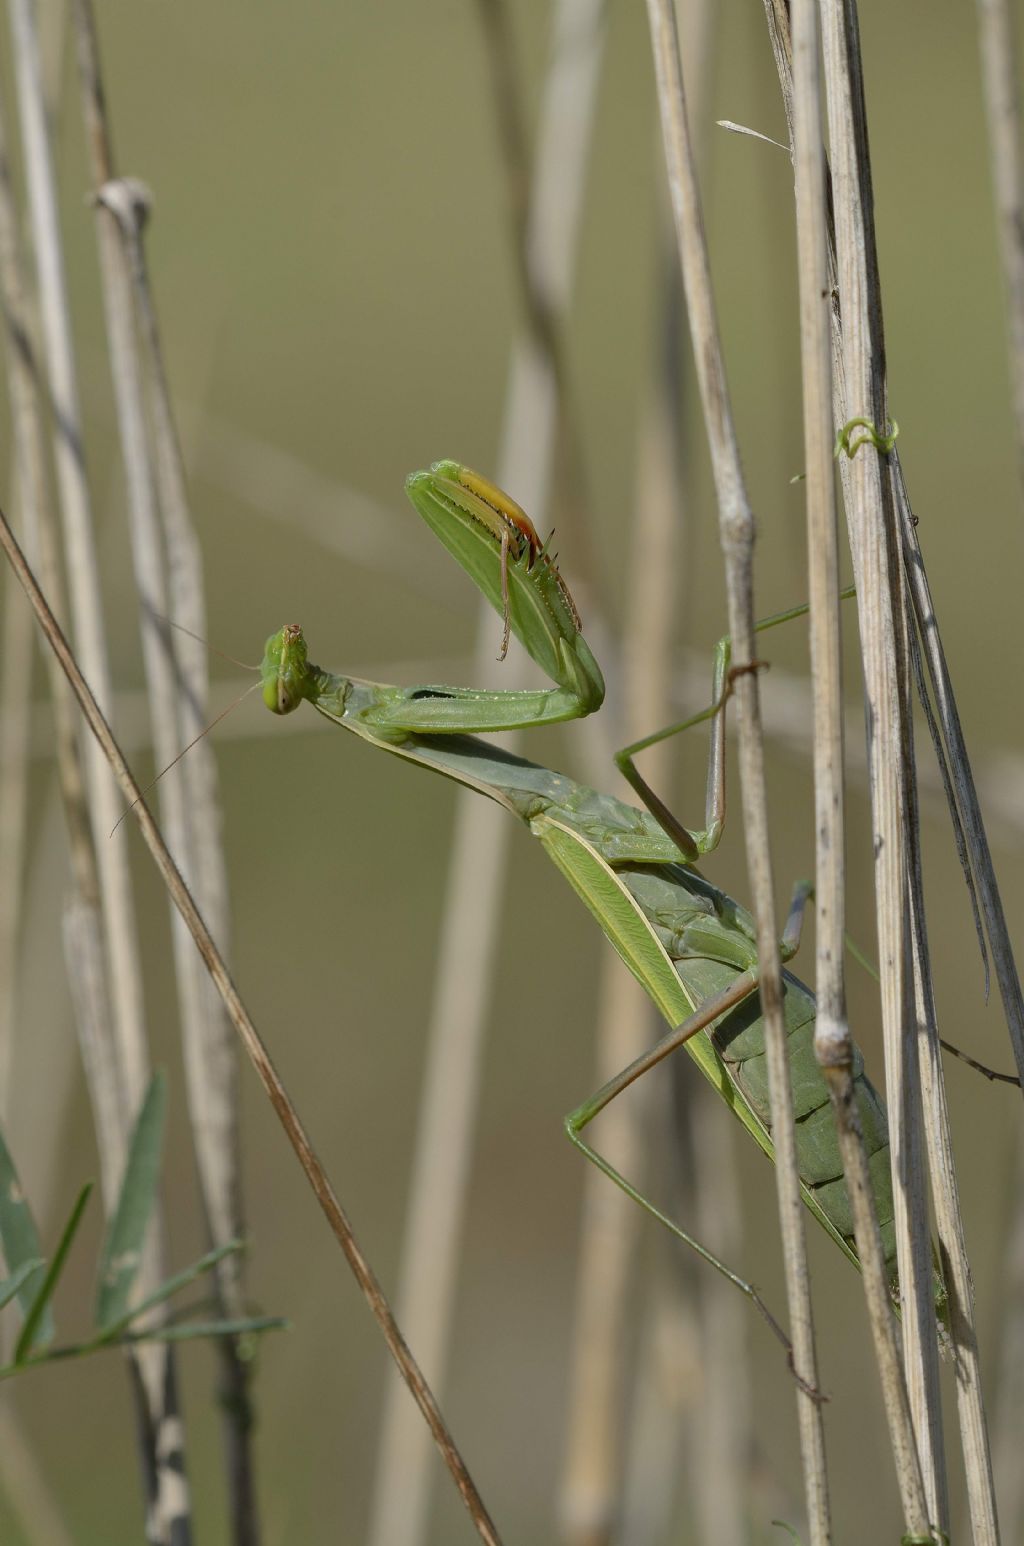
711,1010
704,840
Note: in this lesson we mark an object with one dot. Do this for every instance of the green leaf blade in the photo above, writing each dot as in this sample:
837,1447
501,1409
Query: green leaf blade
188,1331
39,1310
19,1238
168,1288
122,1252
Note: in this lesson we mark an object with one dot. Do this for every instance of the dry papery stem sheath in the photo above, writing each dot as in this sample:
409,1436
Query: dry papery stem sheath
253,1044
737,532
115,1052
167,568
832,1035
859,313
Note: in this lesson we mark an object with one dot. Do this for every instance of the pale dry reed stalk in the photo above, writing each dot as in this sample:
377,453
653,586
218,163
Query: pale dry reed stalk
117,1058
468,946
169,582
891,546
737,535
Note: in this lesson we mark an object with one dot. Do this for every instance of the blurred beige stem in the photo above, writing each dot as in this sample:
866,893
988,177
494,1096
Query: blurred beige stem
39,521
476,876
83,943
109,1059
736,524
706,1397
169,581
15,693
83,573
1010,1386
999,67
591,1491
161,1434
706,1407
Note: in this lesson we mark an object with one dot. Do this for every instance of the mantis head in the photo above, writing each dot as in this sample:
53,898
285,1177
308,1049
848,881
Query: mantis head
286,671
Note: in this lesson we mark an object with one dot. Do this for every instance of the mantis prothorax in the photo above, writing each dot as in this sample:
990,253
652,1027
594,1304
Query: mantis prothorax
690,946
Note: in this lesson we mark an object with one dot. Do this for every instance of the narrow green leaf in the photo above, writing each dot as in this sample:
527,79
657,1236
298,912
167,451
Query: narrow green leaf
17,1280
19,1237
122,1252
171,1286
39,1307
189,1330
185,1331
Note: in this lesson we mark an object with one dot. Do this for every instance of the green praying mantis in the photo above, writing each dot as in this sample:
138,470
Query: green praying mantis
691,947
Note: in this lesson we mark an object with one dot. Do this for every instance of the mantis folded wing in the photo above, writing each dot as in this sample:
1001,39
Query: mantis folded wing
691,947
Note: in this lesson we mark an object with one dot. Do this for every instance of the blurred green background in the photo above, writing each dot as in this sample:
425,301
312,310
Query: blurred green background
331,254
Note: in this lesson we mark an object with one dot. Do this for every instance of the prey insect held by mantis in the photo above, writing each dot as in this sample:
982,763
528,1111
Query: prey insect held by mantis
691,947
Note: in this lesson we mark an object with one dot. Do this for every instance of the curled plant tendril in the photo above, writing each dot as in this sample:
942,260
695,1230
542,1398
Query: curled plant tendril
873,437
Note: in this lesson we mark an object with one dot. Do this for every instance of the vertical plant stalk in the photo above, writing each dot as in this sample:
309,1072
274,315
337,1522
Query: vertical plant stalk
964,804
540,312
1010,1387
170,583
919,1464
113,1044
15,693
958,781
612,1484
23,378
590,1501
83,939
86,603
475,884
879,591
251,1041
720,1417
737,536
999,63
590,1491
832,1034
